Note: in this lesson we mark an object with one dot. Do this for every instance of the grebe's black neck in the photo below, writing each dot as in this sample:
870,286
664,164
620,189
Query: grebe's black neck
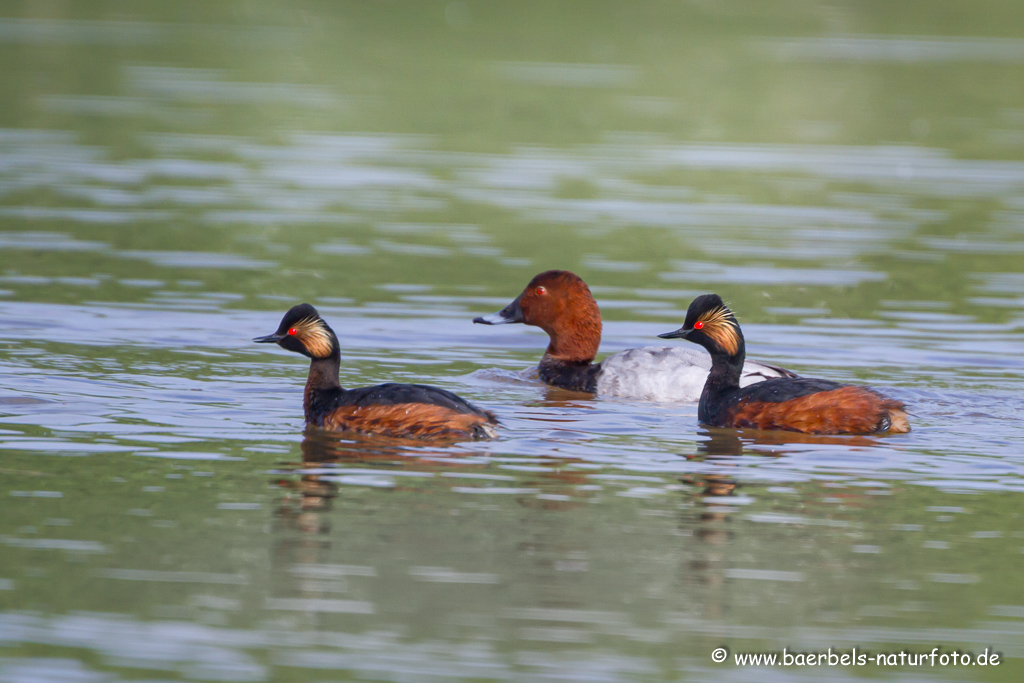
322,386
723,379
726,368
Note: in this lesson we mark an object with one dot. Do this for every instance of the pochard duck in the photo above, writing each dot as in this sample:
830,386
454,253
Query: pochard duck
560,303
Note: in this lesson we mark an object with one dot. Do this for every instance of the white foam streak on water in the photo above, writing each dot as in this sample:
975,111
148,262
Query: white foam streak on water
211,86
898,49
917,169
578,75
711,273
56,31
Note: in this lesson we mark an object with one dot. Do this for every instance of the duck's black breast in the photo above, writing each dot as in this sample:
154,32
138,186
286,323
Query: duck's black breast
571,375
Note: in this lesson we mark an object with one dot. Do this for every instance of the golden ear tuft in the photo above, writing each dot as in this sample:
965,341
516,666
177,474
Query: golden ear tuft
720,325
314,336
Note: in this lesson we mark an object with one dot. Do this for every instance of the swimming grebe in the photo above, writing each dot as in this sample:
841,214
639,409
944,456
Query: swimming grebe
403,410
560,303
812,406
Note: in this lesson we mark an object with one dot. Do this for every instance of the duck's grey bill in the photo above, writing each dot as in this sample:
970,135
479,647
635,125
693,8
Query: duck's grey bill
512,313
492,319
675,334
269,339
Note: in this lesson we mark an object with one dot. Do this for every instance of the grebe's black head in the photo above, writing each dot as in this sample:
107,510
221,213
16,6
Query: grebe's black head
710,323
302,330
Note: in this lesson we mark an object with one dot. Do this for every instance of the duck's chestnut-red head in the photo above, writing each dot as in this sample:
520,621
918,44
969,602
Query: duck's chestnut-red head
560,303
302,330
710,323
551,297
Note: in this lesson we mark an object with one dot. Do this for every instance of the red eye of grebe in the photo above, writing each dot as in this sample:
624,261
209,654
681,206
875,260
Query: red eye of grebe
698,325
541,290
292,332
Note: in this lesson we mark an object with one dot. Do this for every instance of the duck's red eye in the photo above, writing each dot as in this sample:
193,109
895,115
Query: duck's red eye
541,290
699,325
292,332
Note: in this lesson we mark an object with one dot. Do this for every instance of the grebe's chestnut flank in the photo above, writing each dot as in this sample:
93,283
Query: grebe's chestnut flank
401,410
560,303
812,406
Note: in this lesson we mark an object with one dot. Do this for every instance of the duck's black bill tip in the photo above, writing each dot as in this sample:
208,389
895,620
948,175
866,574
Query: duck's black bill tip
675,334
269,339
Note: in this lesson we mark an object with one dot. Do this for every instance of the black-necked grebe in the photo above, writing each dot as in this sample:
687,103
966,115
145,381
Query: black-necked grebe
560,303
401,410
812,406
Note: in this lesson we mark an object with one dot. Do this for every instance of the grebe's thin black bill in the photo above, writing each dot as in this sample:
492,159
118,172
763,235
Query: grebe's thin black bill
675,334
